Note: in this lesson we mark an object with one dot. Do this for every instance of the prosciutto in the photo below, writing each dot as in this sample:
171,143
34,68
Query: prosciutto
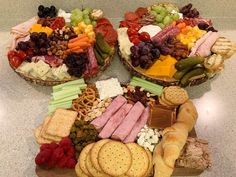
92,66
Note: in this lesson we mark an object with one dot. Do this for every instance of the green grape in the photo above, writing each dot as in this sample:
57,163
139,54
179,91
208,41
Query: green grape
76,12
88,9
86,16
159,18
167,20
158,9
170,9
73,23
87,21
94,23
153,13
86,12
164,12
175,16
161,25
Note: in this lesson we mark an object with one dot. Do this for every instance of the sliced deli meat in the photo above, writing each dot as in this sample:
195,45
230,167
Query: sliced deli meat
115,121
205,49
115,105
92,66
128,123
138,126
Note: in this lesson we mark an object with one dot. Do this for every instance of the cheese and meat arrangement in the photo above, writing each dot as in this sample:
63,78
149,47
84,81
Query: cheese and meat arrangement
57,45
171,45
109,129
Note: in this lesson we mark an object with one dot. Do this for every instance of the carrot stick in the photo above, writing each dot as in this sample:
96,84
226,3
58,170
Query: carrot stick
181,25
184,30
174,23
77,43
77,38
84,44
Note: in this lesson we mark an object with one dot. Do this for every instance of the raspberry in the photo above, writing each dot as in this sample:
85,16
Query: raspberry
70,152
48,146
51,162
43,156
53,146
63,161
65,142
58,154
71,163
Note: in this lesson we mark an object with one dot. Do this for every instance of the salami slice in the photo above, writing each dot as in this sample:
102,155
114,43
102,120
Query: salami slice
131,16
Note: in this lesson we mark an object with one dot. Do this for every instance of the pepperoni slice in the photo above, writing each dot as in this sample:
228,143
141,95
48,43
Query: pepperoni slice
111,37
141,11
131,16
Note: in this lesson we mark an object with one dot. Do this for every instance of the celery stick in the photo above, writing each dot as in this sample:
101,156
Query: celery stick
154,90
80,86
52,108
146,82
58,104
65,93
64,99
79,81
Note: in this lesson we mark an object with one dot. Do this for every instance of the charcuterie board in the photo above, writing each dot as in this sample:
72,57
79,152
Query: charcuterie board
57,46
126,125
168,45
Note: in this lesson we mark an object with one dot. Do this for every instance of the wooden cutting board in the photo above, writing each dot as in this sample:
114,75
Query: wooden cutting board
71,173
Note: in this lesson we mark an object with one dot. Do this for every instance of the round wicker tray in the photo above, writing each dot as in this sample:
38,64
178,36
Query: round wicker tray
136,71
56,82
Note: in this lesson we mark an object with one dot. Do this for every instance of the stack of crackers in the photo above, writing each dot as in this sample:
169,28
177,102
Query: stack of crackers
108,158
173,96
55,127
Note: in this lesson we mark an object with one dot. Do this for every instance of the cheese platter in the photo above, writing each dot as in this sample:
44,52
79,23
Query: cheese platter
56,46
169,45
113,129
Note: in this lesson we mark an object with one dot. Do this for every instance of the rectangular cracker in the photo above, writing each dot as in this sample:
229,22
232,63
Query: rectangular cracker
61,123
39,139
43,133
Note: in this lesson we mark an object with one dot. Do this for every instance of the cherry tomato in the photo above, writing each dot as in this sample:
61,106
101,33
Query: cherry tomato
11,54
21,54
132,31
144,36
133,37
136,41
15,61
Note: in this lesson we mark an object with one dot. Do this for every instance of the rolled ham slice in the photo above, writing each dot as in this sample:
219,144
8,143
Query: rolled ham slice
128,123
199,43
115,121
138,126
115,105
205,49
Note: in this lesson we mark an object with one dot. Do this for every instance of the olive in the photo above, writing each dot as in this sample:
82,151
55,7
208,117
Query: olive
73,129
72,135
75,141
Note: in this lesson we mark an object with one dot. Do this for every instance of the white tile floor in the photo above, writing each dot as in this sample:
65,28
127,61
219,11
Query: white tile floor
23,106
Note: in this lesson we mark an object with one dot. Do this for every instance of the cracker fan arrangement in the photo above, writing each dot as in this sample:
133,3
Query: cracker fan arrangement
172,46
55,46
108,129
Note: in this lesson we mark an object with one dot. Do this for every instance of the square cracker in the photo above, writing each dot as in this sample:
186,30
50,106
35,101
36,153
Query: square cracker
61,123
45,135
39,139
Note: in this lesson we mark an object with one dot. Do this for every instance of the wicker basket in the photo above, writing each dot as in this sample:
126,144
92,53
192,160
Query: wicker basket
164,82
56,82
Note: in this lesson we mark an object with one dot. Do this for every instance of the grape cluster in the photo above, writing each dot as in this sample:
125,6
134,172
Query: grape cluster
78,16
44,12
76,63
60,155
163,16
188,12
144,54
172,46
206,27
39,43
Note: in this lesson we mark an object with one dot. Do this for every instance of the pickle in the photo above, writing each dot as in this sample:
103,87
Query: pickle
102,44
188,63
100,60
102,54
195,72
179,74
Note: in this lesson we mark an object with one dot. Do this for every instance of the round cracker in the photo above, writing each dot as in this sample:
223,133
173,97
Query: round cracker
79,171
82,158
114,158
140,162
163,99
176,95
94,153
93,170
150,165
